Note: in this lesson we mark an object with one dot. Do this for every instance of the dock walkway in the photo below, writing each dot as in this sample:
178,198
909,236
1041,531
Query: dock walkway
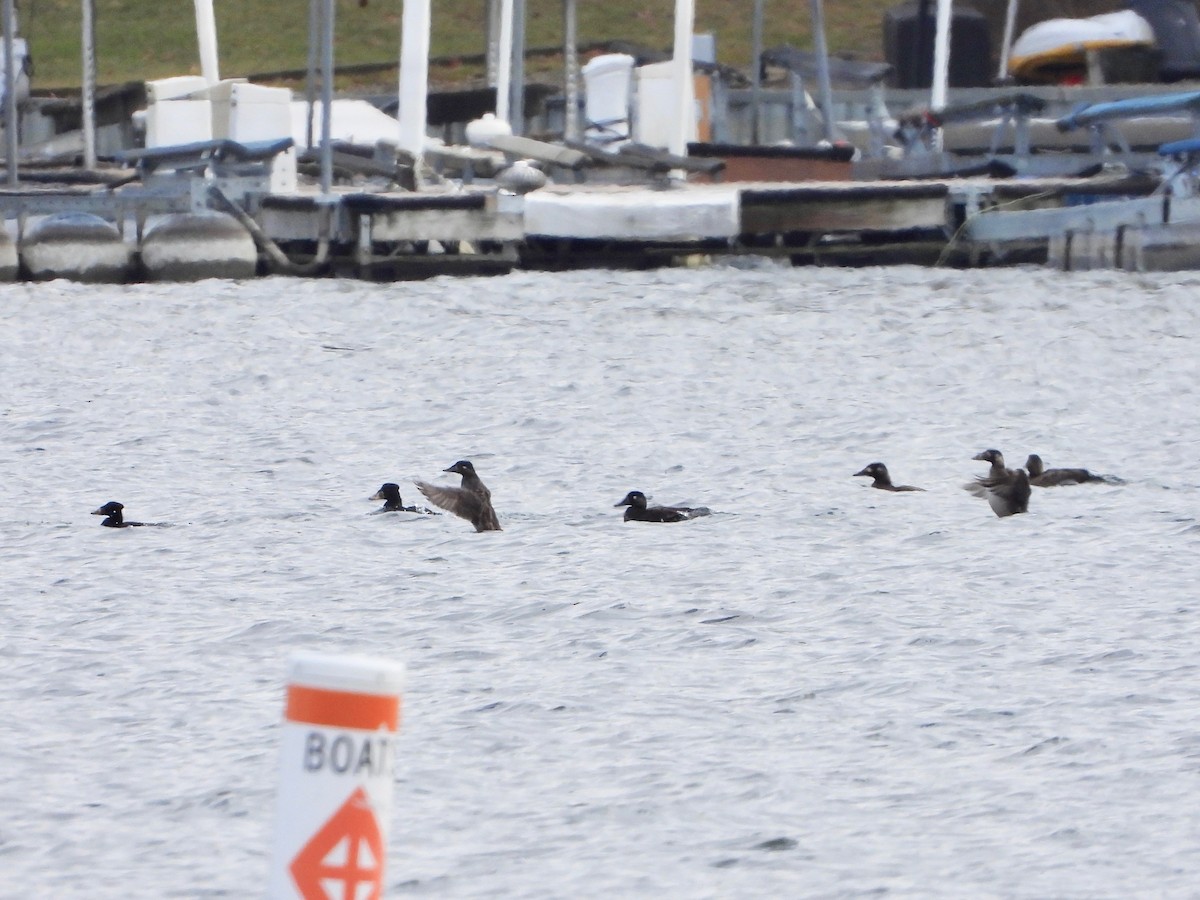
475,228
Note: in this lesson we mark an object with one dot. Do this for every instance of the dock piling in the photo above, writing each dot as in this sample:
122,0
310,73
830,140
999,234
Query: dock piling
11,136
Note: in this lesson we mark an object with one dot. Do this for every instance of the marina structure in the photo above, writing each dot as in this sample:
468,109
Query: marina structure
235,179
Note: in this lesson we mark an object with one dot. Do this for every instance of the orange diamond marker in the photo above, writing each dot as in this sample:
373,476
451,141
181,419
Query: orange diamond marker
344,860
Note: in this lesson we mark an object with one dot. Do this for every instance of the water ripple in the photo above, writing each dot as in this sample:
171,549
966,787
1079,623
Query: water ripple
821,690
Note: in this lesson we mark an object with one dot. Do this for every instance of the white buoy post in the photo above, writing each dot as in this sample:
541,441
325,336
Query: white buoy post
206,39
414,75
681,70
504,60
335,776
941,62
941,55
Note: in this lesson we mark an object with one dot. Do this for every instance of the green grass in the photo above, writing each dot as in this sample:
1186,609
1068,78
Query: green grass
140,39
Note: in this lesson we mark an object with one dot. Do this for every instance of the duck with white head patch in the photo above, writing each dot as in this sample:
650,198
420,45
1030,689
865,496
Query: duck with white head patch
389,493
640,511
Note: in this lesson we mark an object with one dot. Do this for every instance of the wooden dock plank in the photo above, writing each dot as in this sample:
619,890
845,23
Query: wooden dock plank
827,207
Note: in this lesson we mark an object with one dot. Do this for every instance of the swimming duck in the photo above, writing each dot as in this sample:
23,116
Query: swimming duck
998,470
471,501
639,512
883,480
116,518
1007,490
1042,477
390,494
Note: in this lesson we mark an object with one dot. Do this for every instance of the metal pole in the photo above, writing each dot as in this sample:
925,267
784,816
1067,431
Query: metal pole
800,131
11,158
1010,22
823,84
918,73
504,61
310,78
492,51
756,43
517,115
89,84
327,100
570,71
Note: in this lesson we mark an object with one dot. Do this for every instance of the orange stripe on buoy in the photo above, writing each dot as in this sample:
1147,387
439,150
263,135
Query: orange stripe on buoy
341,709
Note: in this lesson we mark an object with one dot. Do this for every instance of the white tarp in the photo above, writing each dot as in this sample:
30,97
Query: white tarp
353,121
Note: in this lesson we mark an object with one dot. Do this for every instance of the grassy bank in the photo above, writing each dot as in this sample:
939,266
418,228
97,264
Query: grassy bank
143,39
138,39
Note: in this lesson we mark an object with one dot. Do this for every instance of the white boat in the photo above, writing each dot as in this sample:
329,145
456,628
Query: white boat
1047,50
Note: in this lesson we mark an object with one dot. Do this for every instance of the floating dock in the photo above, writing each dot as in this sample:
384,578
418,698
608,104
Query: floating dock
1027,181
212,218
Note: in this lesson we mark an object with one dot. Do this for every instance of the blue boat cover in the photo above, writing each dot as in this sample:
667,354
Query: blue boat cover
222,149
1090,113
1187,145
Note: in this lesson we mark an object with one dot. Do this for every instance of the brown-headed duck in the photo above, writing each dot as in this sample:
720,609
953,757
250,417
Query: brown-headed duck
883,480
472,501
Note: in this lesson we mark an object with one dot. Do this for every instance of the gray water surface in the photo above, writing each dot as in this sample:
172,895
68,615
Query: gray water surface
822,690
